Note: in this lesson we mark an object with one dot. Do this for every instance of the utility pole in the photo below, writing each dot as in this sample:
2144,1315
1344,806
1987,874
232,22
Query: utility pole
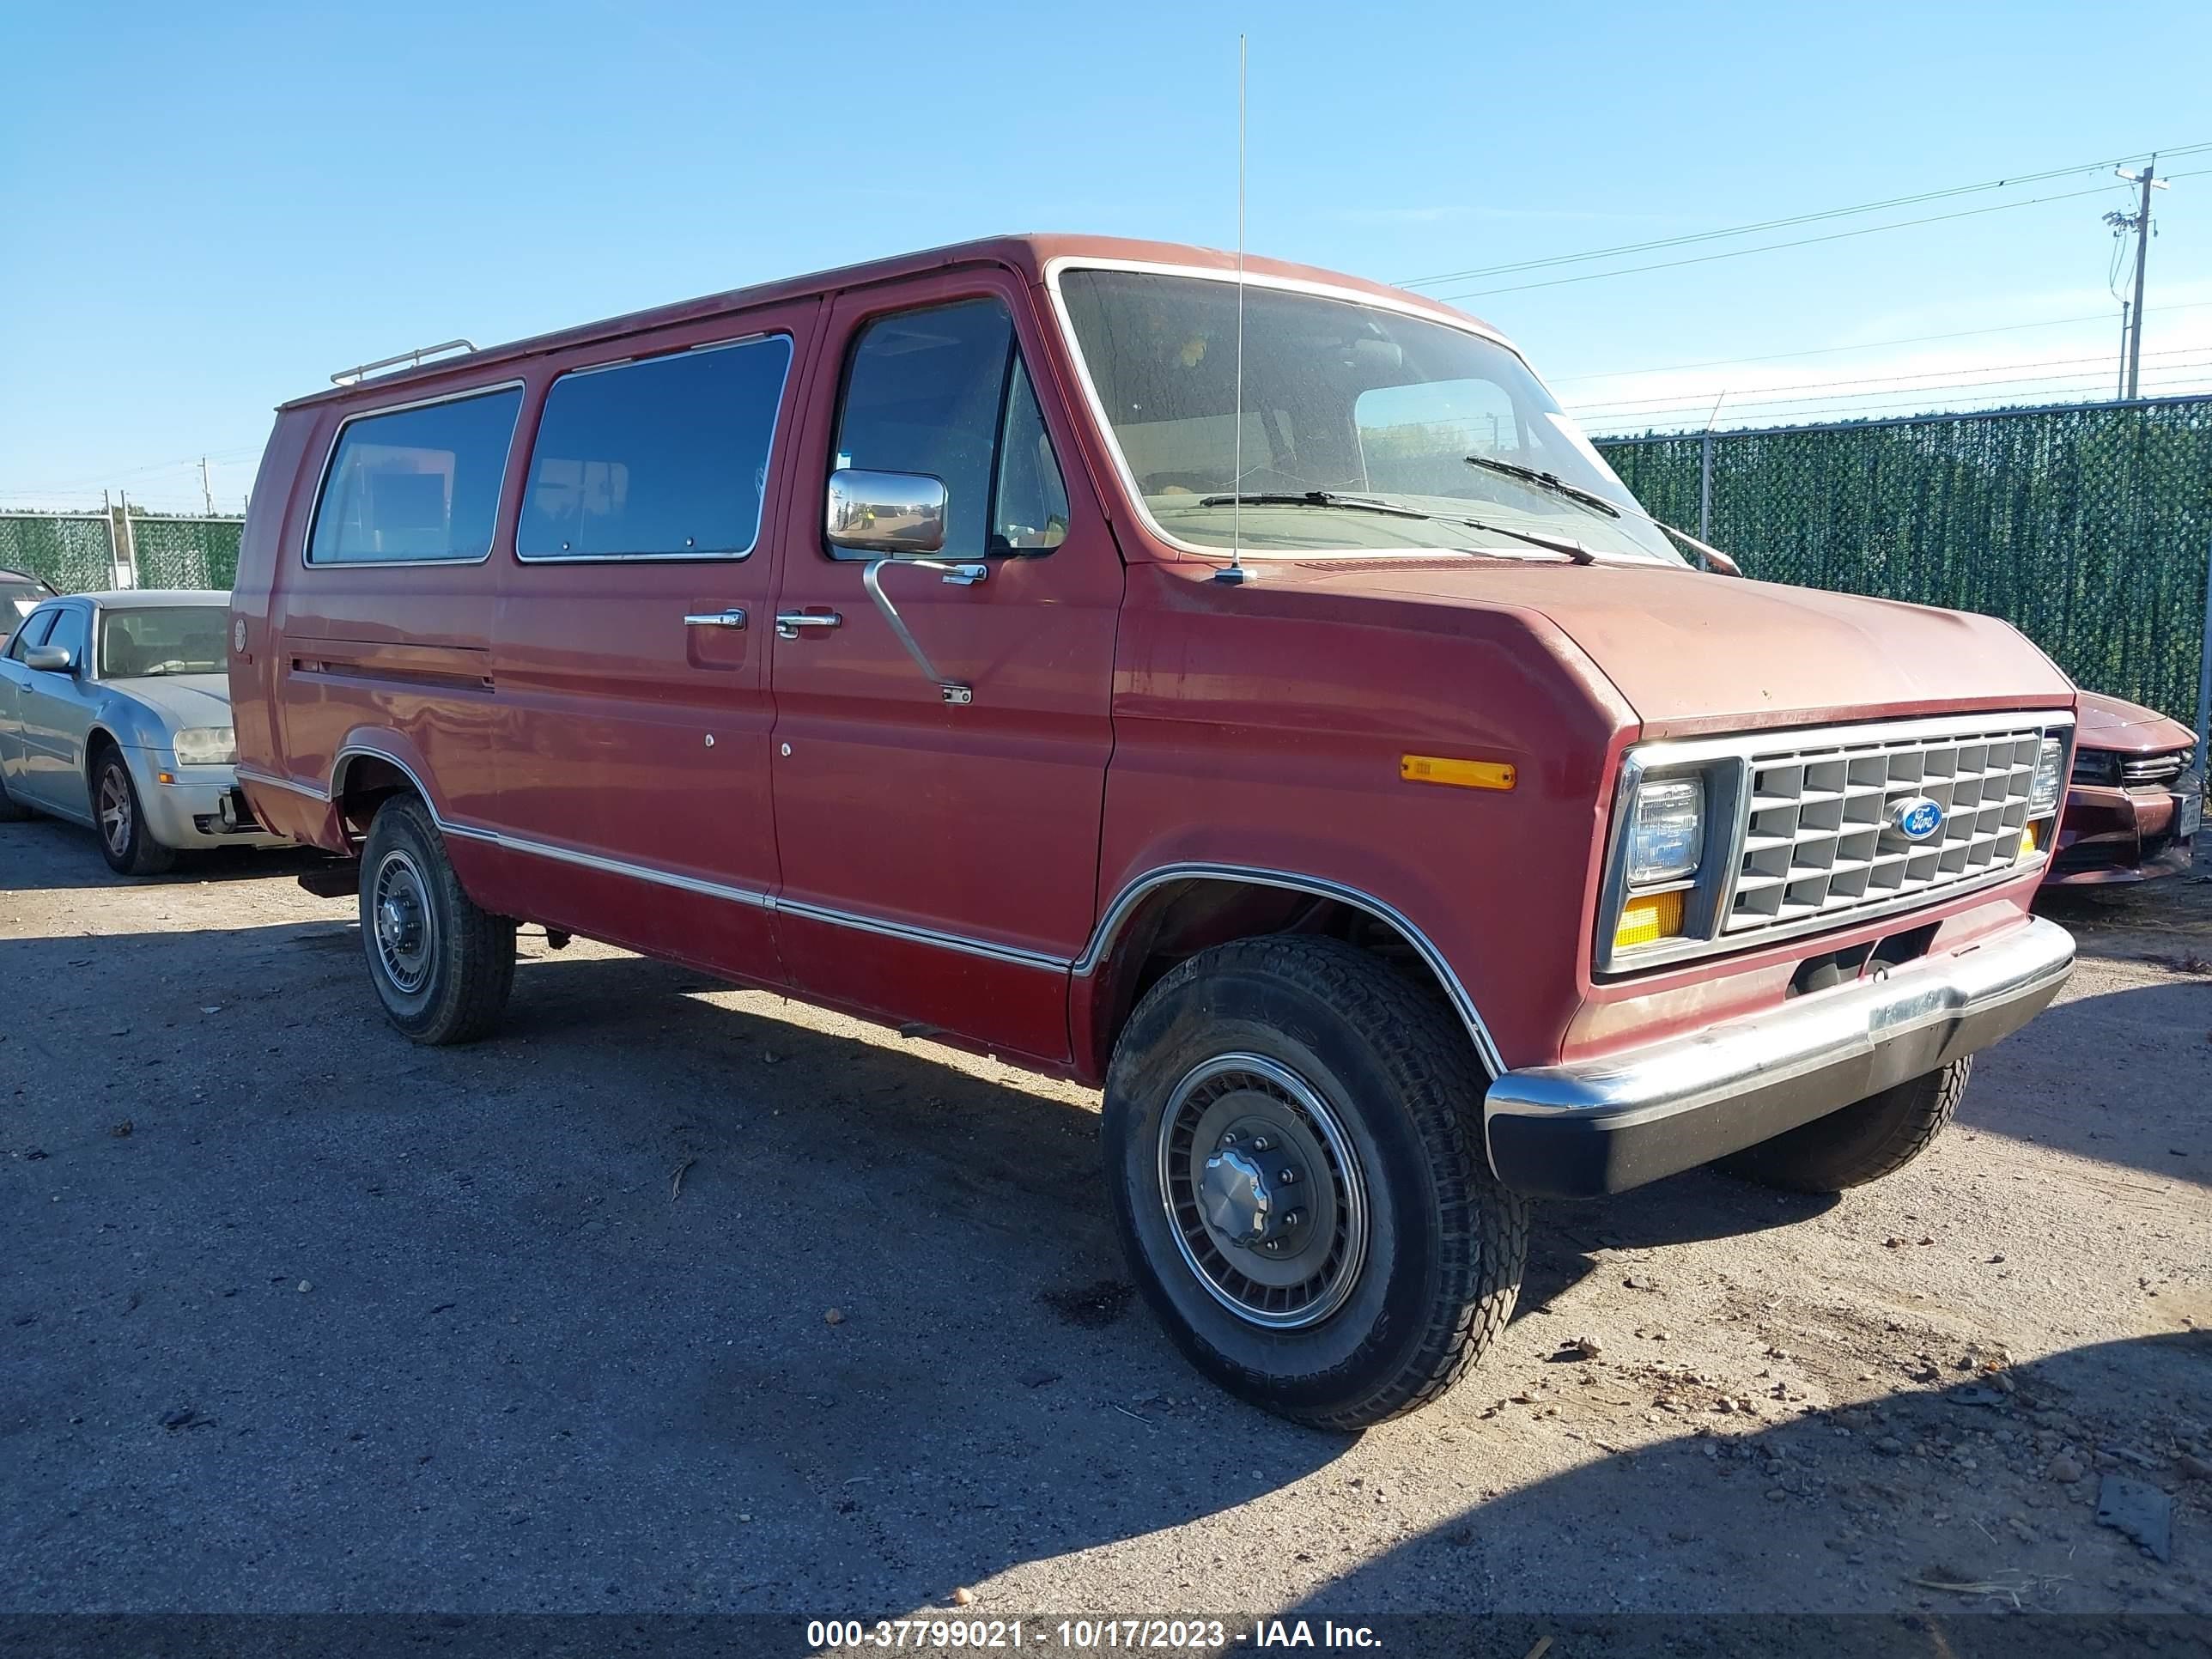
2139,222
207,496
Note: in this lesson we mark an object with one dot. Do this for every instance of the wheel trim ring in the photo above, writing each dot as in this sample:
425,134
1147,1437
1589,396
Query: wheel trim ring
1347,1255
115,810
400,880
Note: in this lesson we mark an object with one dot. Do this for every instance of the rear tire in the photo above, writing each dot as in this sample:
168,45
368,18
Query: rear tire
11,810
441,966
1866,1140
1308,1056
119,820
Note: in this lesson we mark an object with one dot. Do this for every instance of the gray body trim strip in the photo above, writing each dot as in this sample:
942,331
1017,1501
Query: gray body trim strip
1102,938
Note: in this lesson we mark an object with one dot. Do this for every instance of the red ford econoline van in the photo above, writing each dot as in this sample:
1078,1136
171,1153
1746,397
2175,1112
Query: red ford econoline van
1326,756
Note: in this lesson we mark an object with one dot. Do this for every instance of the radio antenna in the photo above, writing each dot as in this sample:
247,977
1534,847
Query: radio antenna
1236,571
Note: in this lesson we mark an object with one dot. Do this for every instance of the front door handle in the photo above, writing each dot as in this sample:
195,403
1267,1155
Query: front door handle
733,618
790,623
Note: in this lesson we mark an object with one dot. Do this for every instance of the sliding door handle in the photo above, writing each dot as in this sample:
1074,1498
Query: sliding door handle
790,623
732,618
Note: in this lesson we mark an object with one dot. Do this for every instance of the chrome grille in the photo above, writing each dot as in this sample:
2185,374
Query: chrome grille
1819,842
2154,772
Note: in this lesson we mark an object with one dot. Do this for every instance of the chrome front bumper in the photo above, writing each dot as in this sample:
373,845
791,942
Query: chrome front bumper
1603,1125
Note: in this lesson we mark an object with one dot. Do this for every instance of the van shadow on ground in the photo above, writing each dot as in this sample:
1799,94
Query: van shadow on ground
544,1323
1862,1508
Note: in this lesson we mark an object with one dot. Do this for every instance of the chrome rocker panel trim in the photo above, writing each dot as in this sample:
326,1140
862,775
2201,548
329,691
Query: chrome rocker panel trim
1603,1125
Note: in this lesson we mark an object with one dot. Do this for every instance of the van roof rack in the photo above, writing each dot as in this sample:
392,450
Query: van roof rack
410,359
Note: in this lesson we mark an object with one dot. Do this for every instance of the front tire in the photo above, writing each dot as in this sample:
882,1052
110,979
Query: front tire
126,843
1293,1140
441,966
1866,1140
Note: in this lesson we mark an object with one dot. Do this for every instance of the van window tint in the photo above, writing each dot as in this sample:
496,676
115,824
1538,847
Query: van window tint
665,458
417,484
944,392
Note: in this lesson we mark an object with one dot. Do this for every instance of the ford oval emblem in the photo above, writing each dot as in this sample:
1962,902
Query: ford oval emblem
1916,817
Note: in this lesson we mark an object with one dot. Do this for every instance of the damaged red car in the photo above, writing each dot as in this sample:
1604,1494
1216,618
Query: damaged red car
2135,803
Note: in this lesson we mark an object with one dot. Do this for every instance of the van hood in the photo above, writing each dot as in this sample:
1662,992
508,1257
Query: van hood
1696,654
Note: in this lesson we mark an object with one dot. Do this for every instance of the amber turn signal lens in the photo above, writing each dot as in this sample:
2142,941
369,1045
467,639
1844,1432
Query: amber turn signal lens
1644,920
2027,841
1459,774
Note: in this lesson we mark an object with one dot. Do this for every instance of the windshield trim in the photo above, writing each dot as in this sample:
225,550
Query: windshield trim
1054,269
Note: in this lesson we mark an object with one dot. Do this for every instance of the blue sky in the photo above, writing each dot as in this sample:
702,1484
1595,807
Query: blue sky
209,208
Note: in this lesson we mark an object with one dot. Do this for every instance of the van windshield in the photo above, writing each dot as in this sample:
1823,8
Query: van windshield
1341,401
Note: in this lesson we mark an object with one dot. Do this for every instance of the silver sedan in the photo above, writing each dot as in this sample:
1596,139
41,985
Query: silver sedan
115,713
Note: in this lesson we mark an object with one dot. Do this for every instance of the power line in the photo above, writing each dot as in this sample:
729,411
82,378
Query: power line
2057,385
1802,241
1927,404
1786,224
1885,382
1863,345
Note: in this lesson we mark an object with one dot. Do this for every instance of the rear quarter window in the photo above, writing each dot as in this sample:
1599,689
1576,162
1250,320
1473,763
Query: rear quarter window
416,485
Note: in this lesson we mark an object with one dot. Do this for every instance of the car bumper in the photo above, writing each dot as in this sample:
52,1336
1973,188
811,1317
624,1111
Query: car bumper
1604,1126
204,807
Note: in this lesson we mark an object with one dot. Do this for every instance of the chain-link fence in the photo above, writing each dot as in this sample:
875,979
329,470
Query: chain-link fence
75,552
71,552
186,552
2087,527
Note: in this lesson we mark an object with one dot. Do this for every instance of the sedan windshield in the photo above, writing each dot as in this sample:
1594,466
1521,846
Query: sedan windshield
1341,401
170,639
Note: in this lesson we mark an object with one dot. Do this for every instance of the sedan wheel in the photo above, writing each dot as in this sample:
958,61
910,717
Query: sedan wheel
124,841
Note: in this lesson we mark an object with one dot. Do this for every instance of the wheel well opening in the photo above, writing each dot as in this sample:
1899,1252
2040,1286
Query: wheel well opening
365,783
1178,920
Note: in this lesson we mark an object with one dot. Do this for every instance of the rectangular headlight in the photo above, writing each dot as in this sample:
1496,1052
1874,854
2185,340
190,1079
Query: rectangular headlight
2043,792
207,745
1666,830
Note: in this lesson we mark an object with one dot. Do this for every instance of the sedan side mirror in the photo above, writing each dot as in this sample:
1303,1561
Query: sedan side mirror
50,658
895,514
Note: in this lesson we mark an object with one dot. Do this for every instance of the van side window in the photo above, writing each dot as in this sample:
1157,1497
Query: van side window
416,485
943,392
665,458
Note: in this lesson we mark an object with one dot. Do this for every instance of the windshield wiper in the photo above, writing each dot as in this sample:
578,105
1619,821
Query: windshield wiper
1576,493
1551,481
1315,498
1572,549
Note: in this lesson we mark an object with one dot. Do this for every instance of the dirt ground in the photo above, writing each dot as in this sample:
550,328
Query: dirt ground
300,1316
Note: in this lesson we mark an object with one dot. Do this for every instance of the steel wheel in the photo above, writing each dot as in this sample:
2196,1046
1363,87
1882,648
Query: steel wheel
406,924
114,806
1263,1192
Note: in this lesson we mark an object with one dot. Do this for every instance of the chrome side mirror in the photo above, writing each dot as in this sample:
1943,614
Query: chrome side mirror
897,514
50,658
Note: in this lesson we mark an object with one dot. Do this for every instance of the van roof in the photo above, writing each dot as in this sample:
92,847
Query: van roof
1028,253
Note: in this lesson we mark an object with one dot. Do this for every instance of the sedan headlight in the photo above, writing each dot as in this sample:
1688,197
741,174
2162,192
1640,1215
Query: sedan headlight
207,745
1666,830
2043,792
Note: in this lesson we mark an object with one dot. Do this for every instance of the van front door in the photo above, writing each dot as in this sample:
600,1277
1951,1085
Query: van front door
938,828
630,646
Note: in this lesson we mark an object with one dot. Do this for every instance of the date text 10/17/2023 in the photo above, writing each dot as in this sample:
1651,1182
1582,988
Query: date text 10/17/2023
1086,1635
